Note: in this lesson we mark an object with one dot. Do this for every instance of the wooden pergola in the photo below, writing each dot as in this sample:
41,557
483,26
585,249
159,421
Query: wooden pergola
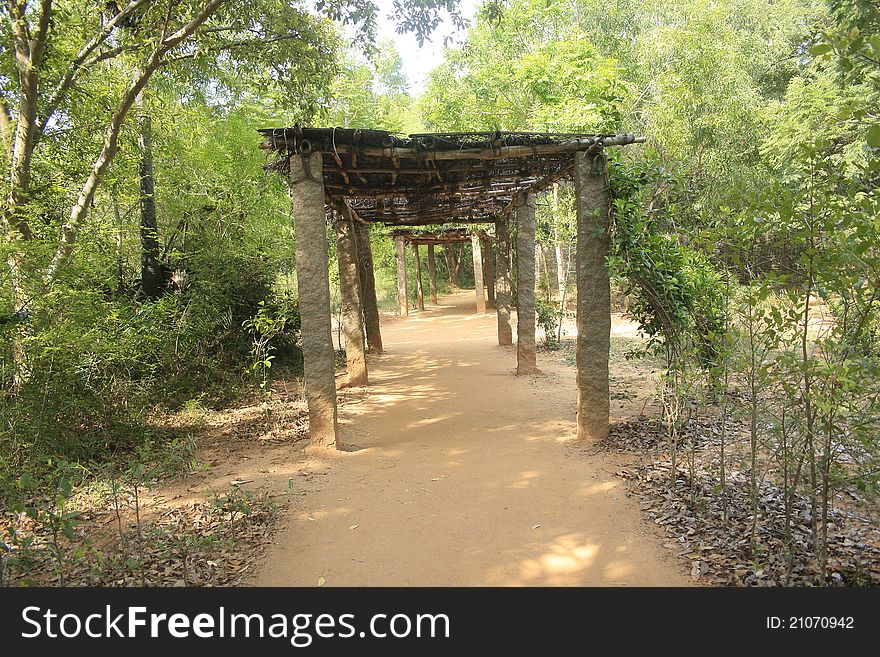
372,176
484,269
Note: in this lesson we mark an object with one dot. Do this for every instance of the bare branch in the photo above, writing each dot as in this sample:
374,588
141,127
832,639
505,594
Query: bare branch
229,45
192,26
107,54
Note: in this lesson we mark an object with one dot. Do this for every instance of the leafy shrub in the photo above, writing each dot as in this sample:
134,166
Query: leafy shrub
678,293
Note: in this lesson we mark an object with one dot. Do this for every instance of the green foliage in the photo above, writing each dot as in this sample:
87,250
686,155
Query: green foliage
548,320
678,295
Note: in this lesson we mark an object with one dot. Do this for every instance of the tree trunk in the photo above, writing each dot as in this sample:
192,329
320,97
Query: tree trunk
451,252
561,276
349,289
402,301
313,284
593,296
478,274
118,238
368,288
432,274
489,273
502,296
152,281
526,358
417,265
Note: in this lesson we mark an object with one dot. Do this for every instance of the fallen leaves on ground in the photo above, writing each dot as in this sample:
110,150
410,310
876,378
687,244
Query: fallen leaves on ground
195,544
720,551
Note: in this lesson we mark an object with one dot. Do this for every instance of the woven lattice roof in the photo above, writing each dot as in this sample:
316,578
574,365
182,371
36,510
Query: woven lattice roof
436,178
449,236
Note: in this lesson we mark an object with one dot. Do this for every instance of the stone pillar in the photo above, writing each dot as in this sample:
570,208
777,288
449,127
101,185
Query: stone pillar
478,274
368,288
313,283
402,301
489,272
349,290
417,265
502,297
593,296
526,359
432,274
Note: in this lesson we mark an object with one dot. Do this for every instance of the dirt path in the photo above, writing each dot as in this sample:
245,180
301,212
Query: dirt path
463,476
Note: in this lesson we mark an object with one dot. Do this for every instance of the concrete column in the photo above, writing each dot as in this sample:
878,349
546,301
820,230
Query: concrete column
349,289
313,283
402,301
478,274
420,296
526,359
489,273
368,288
502,293
593,296
432,274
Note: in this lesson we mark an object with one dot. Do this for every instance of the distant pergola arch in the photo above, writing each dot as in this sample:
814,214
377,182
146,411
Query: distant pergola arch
484,269
486,179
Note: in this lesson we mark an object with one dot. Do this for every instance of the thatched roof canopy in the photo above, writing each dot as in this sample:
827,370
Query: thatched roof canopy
437,178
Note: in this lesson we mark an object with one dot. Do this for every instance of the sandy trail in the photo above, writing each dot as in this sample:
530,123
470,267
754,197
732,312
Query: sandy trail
463,475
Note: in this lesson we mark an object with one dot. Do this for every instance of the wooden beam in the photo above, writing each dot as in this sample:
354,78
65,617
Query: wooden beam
595,143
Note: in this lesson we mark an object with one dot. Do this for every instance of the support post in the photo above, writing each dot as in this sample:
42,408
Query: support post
349,289
313,283
432,274
478,274
451,251
593,296
368,288
526,359
489,272
502,298
402,301
417,265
